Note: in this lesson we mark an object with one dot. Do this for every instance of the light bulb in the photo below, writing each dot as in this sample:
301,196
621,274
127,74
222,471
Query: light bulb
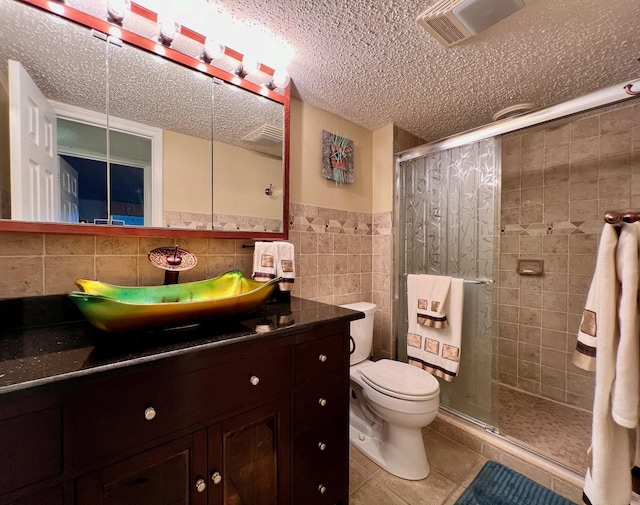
213,50
117,9
250,63
168,28
281,78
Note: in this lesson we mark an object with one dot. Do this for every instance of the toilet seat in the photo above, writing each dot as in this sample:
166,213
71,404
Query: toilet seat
400,380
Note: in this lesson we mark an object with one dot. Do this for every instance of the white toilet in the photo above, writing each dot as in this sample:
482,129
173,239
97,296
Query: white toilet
391,402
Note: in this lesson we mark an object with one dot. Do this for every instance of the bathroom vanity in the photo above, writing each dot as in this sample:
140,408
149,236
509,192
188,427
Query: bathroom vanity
251,411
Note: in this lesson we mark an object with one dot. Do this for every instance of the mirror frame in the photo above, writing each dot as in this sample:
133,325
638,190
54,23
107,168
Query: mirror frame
82,18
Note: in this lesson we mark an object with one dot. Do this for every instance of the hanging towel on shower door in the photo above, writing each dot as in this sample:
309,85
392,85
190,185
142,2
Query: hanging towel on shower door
433,291
608,343
436,350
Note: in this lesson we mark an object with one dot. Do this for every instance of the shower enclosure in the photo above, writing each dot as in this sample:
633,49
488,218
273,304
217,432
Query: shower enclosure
528,188
448,213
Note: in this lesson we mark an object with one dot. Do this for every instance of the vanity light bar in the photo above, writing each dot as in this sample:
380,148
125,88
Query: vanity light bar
197,37
81,17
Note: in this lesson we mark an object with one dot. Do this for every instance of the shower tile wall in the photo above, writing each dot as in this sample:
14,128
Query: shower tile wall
557,181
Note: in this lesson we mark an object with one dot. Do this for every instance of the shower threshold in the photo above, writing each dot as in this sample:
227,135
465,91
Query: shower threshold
472,434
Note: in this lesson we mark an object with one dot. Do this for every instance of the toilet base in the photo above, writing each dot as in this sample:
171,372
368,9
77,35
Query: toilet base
400,451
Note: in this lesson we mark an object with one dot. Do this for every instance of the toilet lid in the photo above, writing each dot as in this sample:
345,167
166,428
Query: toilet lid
400,380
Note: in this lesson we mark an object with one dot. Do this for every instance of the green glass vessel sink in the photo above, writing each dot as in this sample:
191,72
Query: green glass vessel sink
119,308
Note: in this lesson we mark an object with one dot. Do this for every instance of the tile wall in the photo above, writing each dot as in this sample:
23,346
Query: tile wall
345,257
227,222
341,257
44,264
557,181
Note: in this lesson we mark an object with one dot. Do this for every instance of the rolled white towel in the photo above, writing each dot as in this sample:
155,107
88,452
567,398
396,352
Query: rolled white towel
285,267
264,261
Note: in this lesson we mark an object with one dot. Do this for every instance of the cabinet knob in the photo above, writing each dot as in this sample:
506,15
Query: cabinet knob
254,380
322,446
216,477
149,413
201,485
322,489
322,357
322,402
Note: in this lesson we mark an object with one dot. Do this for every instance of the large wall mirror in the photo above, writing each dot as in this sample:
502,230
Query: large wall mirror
132,142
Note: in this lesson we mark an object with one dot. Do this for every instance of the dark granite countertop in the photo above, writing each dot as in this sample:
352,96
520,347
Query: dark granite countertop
46,339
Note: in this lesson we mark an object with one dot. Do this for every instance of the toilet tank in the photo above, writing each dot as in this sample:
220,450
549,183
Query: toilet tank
362,331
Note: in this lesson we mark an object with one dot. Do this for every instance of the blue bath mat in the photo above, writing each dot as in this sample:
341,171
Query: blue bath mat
496,484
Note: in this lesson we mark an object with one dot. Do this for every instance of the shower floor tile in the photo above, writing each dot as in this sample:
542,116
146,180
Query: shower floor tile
557,431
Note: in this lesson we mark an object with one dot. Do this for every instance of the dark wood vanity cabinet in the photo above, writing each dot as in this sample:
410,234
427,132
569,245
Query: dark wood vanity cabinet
263,422
243,459
321,420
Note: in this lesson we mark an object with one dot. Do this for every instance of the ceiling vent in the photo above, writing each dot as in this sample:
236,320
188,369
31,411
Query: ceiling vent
514,111
265,135
452,21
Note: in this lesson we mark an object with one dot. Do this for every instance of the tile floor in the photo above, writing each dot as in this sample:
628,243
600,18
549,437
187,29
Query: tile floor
563,433
453,467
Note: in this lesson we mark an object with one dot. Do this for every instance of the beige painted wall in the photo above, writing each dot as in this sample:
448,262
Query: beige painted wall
186,173
382,169
251,172
306,182
184,154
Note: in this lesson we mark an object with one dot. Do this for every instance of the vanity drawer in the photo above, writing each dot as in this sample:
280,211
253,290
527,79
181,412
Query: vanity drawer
318,401
320,487
320,356
138,412
30,448
241,383
321,447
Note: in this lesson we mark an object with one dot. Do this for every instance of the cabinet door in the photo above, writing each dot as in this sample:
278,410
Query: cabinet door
249,457
172,474
53,496
30,448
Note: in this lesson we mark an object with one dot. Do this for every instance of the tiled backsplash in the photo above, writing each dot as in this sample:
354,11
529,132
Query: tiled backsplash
45,264
341,257
227,222
557,181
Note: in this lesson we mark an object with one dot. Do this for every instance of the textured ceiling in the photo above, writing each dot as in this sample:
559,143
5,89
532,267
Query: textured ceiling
370,62
69,66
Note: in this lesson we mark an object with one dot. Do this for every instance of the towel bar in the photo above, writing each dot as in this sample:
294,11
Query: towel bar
618,217
469,281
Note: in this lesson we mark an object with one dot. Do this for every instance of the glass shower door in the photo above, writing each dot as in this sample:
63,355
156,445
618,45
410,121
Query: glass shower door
448,209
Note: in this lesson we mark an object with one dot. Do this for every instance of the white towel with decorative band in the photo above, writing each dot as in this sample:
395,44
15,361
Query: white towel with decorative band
285,264
436,350
264,261
608,343
433,291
